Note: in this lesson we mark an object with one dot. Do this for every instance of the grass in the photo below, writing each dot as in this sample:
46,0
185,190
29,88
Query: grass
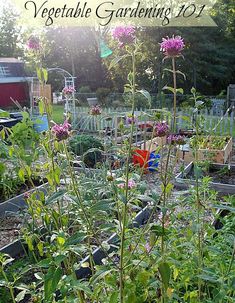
58,113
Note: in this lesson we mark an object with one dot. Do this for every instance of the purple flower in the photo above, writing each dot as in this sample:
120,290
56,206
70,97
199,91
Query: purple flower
148,247
176,140
61,131
69,90
162,129
95,110
172,47
26,195
124,35
130,119
33,43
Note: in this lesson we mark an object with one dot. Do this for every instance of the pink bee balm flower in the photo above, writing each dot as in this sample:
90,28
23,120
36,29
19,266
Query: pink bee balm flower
95,110
124,35
61,131
162,129
131,184
33,43
69,90
172,47
176,140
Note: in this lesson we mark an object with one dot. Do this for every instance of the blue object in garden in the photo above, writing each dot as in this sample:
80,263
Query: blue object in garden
40,123
153,161
105,51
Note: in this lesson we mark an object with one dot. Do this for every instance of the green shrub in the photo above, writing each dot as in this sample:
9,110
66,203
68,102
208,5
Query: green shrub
81,144
102,95
85,90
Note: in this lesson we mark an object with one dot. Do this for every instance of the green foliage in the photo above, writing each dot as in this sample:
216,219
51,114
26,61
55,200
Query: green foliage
209,142
88,147
85,90
23,133
102,94
10,33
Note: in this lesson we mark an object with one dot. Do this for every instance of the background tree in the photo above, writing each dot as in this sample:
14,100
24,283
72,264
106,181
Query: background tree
10,34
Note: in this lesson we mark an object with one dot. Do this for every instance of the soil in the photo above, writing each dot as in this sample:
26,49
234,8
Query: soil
9,230
218,176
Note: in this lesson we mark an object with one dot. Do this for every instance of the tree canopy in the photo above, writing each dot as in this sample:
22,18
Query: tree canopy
209,56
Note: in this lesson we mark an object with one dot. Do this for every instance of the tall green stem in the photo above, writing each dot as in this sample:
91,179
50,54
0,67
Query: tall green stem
124,219
11,289
200,257
175,93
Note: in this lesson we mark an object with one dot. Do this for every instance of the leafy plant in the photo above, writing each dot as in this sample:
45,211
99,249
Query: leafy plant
209,142
88,147
102,95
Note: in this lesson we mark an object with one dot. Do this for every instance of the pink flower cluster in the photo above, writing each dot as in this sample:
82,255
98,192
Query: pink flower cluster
69,90
131,184
95,110
162,129
33,43
176,140
61,131
172,47
124,35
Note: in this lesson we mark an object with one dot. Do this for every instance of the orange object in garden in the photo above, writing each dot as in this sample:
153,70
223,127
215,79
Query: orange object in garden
141,157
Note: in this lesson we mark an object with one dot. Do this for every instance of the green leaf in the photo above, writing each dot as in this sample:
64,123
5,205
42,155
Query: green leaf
130,78
60,241
168,70
45,75
171,89
21,295
114,297
147,95
182,74
158,230
21,174
76,238
116,60
39,73
2,134
103,205
41,107
4,114
199,103
51,281
165,273
180,90
56,196
226,207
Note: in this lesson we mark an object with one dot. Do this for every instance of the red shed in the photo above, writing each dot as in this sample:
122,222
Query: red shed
13,82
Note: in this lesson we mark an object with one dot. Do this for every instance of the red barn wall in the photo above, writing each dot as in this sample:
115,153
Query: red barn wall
17,91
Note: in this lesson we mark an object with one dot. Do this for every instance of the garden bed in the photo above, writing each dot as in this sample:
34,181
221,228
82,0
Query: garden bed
223,178
17,203
215,155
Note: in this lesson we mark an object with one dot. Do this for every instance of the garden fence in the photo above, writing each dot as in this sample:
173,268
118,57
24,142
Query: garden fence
110,118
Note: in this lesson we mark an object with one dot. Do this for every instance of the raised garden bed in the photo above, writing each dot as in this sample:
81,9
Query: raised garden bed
17,248
215,155
223,178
